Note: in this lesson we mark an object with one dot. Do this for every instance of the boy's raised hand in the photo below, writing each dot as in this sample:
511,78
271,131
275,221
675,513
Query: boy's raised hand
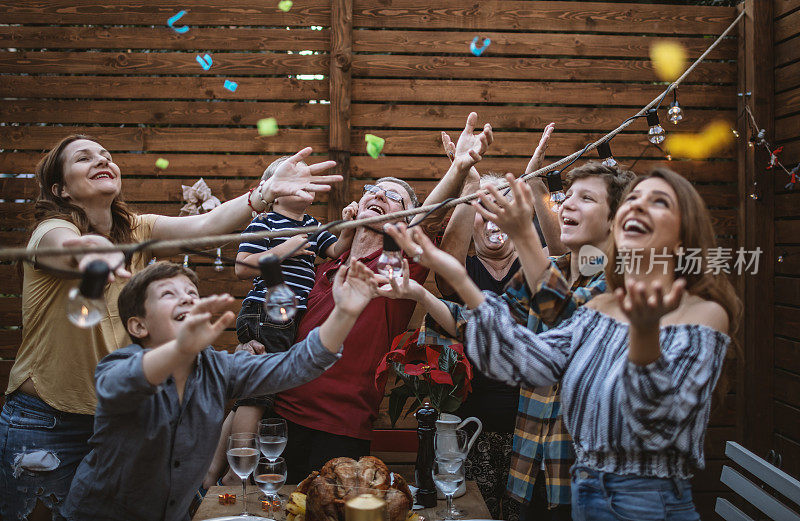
353,288
197,330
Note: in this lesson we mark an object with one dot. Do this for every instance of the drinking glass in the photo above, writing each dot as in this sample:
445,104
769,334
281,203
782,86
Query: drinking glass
451,444
243,457
270,475
272,437
448,474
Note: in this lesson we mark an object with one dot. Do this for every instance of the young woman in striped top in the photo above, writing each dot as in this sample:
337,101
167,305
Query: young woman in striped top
638,366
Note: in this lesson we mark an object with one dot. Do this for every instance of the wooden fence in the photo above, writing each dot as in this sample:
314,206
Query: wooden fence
330,72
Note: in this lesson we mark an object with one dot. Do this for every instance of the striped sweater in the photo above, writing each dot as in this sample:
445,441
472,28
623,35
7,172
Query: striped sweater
644,420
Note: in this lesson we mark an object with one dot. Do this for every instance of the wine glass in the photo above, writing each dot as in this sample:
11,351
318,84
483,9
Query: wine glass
243,457
272,437
448,474
270,475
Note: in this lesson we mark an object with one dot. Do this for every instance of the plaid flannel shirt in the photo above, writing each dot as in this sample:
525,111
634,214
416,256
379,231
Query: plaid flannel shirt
540,433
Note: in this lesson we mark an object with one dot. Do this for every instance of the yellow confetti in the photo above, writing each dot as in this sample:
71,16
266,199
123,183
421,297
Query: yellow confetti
162,163
285,5
713,138
267,126
669,59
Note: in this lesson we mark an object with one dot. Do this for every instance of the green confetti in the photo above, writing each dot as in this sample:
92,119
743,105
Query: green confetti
267,126
162,163
374,145
285,5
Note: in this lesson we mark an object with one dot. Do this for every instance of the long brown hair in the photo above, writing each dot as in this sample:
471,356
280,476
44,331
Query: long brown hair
49,172
696,232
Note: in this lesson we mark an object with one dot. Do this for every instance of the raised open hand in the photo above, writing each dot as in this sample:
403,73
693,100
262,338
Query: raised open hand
514,216
645,305
294,177
537,159
353,288
197,330
470,147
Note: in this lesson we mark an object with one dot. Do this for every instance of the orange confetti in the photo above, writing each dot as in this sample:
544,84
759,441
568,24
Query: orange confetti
669,60
713,138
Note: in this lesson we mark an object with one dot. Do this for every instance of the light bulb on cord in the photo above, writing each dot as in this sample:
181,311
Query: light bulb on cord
735,133
493,233
185,261
674,114
85,306
390,263
656,132
604,151
218,265
280,302
556,189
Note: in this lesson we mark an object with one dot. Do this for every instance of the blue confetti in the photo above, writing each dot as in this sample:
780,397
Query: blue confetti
231,85
204,61
477,51
171,22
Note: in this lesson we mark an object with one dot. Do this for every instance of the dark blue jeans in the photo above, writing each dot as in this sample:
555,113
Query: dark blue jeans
601,496
40,449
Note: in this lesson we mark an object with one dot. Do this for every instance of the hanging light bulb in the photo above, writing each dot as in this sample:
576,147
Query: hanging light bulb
85,306
390,263
735,133
185,261
218,265
656,132
754,194
780,257
493,233
675,113
280,302
604,151
556,189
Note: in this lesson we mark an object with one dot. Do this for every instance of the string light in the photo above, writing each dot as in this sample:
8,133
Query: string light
280,302
656,132
675,113
735,133
390,263
85,306
604,151
556,188
185,261
218,264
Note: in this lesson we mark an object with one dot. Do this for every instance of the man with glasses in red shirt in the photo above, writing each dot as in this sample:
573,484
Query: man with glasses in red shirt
332,415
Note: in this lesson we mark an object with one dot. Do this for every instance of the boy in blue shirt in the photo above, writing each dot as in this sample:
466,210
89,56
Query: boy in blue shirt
161,401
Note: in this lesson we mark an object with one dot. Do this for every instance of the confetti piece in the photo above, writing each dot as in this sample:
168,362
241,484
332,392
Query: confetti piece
477,51
171,21
231,85
267,126
204,61
374,145
669,59
162,163
715,136
285,5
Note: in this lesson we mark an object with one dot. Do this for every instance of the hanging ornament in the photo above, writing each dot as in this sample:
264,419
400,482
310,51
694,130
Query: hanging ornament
198,199
773,158
792,177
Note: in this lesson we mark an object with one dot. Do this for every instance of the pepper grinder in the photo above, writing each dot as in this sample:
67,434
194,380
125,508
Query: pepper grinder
426,429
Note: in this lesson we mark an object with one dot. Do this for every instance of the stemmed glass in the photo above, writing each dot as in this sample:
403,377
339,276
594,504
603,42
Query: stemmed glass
242,457
270,475
272,437
451,445
448,474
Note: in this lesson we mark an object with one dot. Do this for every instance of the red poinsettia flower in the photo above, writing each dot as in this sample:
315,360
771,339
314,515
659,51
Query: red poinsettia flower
416,369
440,377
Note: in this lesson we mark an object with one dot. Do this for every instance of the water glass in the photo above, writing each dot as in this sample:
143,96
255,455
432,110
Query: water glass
270,475
272,437
448,474
243,457
451,444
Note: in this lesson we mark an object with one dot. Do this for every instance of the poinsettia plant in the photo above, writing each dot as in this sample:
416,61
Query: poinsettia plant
437,372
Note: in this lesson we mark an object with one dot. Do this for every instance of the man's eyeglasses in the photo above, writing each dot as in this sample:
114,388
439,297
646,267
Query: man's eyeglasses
390,194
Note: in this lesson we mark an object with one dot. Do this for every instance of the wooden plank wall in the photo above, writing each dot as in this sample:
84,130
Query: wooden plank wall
786,360
117,72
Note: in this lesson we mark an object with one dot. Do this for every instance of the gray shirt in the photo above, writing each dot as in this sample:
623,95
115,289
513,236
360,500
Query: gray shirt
150,452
